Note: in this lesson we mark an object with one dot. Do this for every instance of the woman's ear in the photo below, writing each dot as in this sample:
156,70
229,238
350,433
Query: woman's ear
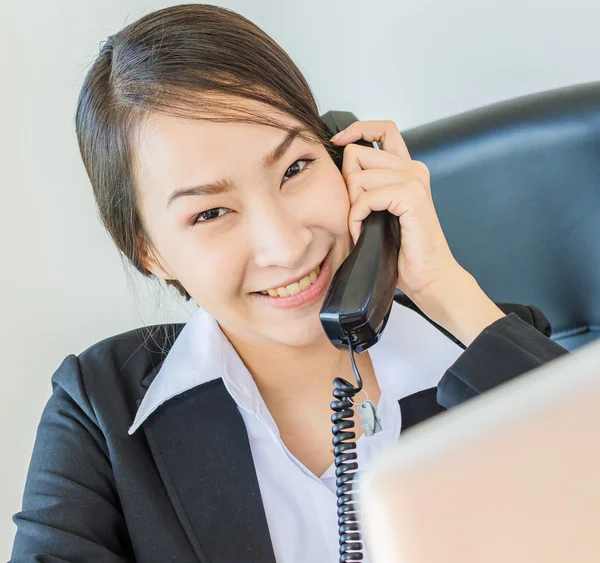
151,261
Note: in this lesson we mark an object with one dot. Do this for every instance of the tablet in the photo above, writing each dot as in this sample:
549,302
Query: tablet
512,475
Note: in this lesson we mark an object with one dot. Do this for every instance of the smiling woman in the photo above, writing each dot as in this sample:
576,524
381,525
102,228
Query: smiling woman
213,171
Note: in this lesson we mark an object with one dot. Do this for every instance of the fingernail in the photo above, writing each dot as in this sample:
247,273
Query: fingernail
338,135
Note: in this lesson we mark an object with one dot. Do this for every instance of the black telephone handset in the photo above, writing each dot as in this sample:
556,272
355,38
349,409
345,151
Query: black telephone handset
359,300
355,311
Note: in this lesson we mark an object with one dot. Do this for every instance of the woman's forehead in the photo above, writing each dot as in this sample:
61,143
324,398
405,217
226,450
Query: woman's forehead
212,120
173,152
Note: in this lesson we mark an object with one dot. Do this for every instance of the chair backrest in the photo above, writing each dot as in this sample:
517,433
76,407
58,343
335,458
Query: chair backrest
516,185
517,188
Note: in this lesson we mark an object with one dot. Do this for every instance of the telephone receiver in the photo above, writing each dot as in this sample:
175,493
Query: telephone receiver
359,300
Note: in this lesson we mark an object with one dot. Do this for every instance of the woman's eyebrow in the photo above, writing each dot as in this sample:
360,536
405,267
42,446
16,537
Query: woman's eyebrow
224,184
272,157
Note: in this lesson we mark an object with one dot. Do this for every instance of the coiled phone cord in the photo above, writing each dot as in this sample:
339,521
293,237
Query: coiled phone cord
345,465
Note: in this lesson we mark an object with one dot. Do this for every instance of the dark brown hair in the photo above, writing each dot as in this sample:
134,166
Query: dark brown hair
174,61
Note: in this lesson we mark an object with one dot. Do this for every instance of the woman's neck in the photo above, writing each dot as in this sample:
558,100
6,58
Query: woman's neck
285,373
280,368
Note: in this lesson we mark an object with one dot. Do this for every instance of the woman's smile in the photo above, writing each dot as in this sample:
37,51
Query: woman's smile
302,293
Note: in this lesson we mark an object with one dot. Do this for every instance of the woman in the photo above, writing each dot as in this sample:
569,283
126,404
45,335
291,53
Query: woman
212,442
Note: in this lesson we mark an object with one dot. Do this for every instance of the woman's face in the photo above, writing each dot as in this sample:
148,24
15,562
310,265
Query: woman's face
277,221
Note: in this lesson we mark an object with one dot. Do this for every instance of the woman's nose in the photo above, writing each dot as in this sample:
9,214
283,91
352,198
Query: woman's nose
279,237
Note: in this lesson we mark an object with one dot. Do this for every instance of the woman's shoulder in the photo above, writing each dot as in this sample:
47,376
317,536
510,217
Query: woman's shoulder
110,377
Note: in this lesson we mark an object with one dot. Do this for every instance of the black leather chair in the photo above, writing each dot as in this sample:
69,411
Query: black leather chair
516,185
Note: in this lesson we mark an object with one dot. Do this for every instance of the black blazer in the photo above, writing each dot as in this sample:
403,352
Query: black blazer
185,489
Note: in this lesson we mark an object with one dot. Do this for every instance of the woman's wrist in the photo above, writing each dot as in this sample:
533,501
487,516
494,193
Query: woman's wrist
458,304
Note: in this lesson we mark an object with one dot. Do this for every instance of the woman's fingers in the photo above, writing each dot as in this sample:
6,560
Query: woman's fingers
357,157
383,131
359,181
395,198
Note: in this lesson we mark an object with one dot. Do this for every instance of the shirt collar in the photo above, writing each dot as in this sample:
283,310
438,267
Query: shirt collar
196,356
202,353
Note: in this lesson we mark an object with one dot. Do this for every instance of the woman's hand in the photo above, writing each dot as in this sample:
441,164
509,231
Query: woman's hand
427,271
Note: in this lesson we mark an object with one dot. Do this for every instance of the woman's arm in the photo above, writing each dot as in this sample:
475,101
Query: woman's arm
502,341
70,509
515,344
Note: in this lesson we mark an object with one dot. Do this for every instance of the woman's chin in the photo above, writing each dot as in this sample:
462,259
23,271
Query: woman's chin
301,333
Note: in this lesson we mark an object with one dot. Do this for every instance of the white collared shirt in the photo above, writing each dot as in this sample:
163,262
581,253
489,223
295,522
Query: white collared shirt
411,355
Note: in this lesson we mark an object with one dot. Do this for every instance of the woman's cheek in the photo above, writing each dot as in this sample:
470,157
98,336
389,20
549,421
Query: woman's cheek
200,266
337,205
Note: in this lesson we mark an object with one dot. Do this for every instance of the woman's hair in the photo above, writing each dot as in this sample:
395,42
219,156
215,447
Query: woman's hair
184,61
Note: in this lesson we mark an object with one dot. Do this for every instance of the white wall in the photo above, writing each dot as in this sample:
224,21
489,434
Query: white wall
63,284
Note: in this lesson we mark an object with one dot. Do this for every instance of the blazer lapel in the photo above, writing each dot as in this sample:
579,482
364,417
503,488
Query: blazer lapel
200,446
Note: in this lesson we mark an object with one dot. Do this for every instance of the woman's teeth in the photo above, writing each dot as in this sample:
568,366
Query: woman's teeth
294,288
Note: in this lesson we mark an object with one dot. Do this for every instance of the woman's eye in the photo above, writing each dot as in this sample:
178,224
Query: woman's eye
208,215
294,166
212,214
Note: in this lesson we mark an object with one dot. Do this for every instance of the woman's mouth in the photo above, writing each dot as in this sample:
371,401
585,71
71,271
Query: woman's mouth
302,292
296,287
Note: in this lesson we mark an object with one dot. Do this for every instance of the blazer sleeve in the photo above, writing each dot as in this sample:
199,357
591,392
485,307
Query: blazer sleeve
511,346
70,510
